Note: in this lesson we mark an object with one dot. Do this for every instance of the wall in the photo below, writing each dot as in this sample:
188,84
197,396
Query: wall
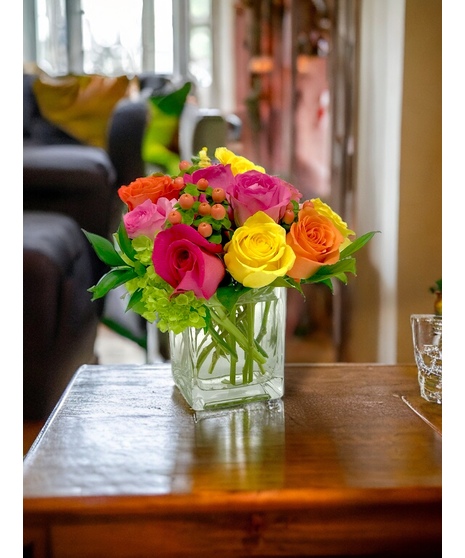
398,184
420,214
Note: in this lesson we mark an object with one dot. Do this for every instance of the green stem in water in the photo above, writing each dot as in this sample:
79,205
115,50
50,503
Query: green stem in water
263,327
221,318
222,342
250,322
233,364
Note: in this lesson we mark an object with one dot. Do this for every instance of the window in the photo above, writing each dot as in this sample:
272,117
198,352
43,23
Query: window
50,39
114,37
200,45
110,37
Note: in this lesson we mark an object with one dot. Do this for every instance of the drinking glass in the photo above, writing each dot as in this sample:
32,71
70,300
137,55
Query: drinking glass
427,345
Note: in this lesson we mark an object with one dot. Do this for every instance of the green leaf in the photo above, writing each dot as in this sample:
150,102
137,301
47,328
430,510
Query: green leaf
287,282
228,296
104,249
191,189
125,242
336,271
187,216
328,283
114,278
357,244
215,238
140,269
226,223
342,277
134,299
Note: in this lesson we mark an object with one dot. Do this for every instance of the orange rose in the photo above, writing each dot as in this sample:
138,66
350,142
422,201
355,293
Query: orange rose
149,188
315,241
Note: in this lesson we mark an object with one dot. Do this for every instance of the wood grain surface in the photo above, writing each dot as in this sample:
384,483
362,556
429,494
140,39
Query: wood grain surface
344,465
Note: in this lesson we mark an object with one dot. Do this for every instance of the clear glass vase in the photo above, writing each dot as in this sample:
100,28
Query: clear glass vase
239,359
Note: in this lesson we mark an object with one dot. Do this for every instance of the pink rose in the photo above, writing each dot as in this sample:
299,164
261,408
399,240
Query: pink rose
256,191
218,176
187,261
147,218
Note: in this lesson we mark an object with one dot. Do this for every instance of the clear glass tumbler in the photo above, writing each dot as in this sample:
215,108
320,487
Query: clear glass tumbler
427,345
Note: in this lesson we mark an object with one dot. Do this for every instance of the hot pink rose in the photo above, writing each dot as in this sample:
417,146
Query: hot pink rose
256,191
187,261
147,218
218,176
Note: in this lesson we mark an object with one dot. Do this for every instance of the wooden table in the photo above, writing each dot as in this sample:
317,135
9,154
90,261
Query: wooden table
348,463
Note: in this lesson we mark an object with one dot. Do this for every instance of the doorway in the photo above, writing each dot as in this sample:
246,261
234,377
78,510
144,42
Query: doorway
295,88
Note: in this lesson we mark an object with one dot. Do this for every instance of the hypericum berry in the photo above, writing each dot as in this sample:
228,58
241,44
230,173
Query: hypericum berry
204,208
184,165
202,184
174,217
218,212
290,206
308,203
288,217
218,195
186,201
179,182
205,229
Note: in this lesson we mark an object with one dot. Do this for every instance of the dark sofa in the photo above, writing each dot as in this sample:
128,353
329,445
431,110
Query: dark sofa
67,185
62,174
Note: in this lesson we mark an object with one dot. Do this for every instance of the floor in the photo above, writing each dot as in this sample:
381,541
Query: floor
112,348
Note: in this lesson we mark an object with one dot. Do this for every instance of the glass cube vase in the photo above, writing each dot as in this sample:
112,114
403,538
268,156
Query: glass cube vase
239,358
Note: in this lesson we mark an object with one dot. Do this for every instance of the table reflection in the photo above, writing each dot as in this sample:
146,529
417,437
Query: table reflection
239,448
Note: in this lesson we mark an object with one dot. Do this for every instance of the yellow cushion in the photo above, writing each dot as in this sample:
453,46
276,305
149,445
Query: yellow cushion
81,105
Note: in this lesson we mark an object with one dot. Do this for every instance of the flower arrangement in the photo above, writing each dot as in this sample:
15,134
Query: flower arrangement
191,247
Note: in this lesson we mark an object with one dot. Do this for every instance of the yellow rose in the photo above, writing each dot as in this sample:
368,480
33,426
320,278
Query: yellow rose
257,253
238,164
324,209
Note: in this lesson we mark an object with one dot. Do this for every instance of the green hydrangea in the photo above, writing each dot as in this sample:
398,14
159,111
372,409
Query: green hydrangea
158,304
143,246
176,313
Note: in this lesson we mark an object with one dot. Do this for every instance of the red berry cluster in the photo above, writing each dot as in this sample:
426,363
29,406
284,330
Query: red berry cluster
208,216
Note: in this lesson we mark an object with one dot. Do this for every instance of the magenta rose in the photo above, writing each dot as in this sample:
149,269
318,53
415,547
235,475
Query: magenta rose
187,261
218,176
148,218
256,191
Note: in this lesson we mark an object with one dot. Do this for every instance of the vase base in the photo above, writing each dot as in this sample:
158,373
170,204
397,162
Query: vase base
215,399
235,402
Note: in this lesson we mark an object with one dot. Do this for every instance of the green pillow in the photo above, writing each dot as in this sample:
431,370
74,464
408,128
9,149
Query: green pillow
159,144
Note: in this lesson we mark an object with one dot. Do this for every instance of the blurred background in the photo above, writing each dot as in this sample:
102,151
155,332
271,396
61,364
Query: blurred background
340,97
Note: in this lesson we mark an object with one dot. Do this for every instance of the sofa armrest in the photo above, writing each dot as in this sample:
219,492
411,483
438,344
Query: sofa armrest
78,180
59,318
127,127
